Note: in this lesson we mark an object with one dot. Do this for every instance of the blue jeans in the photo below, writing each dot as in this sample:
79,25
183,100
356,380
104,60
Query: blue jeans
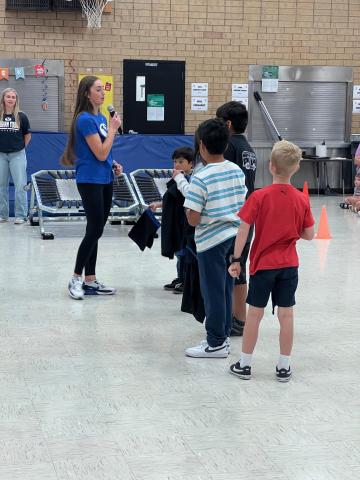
216,288
14,164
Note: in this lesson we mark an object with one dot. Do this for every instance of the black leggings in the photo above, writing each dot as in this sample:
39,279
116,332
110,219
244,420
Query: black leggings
96,200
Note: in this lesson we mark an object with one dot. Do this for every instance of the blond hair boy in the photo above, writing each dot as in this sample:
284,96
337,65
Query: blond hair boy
281,215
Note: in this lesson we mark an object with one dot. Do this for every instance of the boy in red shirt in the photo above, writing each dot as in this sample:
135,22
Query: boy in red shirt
281,215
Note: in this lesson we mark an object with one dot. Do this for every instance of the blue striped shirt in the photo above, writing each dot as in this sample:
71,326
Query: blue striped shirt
217,192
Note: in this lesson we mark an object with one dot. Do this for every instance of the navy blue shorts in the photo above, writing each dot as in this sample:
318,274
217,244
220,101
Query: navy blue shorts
280,283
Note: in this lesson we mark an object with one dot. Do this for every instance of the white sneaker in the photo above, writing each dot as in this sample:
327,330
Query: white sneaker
228,343
76,290
3,220
203,350
19,221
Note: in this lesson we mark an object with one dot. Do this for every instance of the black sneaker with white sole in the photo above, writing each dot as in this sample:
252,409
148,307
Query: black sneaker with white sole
171,286
242,372
283,374
179,288
237,327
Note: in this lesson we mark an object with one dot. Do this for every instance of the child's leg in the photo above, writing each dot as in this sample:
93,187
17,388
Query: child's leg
286,337
351,201
213,283
260,287
251,329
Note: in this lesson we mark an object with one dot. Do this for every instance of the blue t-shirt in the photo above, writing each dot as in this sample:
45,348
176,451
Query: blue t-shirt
88,168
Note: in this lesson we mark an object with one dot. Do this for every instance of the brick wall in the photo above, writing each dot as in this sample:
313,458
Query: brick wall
218,39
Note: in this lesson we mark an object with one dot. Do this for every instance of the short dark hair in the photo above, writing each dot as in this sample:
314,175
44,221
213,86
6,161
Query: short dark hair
237,114
184,152
214,134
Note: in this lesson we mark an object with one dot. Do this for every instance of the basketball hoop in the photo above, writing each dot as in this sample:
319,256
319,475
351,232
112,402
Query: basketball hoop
93,10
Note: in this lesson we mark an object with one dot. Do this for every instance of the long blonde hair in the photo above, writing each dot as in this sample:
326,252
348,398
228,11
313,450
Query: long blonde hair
82,104
16,107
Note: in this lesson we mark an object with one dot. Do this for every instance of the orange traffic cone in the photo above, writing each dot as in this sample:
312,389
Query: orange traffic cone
306,189
323,232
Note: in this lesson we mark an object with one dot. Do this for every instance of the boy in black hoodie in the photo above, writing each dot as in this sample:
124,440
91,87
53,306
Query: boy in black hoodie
240,152
173,217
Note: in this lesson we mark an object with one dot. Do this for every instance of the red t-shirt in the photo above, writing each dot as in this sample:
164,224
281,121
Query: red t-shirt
280,214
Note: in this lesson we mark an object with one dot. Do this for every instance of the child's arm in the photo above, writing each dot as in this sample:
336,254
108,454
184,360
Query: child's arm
182,184
193,217
241,238
154,205
195,201
308,233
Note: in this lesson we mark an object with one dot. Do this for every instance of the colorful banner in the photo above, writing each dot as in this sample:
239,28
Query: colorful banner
19,73
4,73
108,84
39,70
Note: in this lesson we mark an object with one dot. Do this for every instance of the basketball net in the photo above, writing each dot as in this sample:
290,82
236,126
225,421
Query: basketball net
93,10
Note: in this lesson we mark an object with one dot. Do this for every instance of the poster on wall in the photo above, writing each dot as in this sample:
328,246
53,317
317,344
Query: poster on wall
270,78
356,92
199,89
239,91
108,84
356,106
155,111
199,104
245,101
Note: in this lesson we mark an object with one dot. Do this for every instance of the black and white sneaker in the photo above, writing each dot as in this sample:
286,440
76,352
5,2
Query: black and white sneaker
171,286
283,375
237,328
179,288
203,350
241,372
97,288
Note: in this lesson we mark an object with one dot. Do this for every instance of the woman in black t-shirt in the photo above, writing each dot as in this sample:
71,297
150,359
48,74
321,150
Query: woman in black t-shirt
14,136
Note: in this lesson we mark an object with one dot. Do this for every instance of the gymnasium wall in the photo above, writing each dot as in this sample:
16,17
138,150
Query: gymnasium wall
218,39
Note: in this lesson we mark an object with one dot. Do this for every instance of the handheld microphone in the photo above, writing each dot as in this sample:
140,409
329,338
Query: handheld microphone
112,112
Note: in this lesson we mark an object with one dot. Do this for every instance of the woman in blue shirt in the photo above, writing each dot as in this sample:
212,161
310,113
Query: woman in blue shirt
89,149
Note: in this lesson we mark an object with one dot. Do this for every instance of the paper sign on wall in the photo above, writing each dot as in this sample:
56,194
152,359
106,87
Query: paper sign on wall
270,78
356,92
199,89
239,90
199,104
356,106
155,111
245,101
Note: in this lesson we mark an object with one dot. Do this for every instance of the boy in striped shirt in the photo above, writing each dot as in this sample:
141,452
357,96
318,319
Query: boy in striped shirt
213,199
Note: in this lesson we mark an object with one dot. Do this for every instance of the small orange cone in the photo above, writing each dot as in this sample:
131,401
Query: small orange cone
306,189
323,232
